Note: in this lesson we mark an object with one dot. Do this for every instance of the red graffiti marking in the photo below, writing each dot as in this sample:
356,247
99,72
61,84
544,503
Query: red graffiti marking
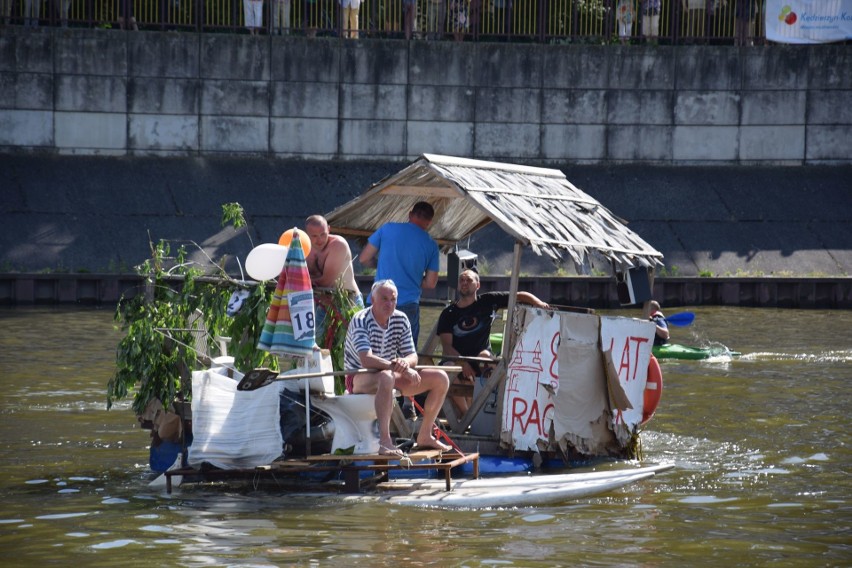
629,356
512,382
525,416
554,345
519,409
639,341
518,359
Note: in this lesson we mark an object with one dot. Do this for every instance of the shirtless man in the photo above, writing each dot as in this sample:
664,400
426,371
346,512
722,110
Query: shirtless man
330,258
329,263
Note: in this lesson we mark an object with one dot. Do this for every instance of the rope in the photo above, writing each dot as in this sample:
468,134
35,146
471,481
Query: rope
437,429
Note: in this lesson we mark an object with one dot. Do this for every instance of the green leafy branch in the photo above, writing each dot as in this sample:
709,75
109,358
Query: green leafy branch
331,333
156,356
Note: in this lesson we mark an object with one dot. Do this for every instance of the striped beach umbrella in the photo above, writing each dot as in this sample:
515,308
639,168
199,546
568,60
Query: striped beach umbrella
289,327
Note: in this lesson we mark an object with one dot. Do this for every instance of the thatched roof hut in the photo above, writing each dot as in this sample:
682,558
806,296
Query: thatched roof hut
541,210
538,207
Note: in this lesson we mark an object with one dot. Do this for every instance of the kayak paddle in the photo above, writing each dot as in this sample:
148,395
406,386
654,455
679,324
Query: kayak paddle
681,319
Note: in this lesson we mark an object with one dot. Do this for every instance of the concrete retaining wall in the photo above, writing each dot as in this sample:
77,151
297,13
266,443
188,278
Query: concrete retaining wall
184,94
94,214
597,293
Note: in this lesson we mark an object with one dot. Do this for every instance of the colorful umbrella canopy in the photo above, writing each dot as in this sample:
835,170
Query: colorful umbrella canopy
289,327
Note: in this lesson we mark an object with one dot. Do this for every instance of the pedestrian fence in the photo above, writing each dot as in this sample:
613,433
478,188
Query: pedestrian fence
738,22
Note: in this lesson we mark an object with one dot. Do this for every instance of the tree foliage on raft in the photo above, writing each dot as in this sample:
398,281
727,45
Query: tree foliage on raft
180,299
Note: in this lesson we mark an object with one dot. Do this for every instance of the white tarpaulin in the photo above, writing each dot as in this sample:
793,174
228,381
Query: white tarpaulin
531,376
582,421
233,429
628,342
808,21
556,381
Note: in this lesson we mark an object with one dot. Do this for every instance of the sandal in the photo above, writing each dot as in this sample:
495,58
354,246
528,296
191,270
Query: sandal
392,451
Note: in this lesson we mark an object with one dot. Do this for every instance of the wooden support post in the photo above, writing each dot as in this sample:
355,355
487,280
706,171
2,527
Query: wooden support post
508,331
508,340
496,379
398,421
432,341
646,307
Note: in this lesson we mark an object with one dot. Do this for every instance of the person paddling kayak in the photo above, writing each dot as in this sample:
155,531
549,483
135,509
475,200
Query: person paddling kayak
662,335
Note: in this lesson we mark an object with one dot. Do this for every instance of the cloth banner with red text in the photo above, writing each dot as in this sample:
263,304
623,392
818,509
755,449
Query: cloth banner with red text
557,381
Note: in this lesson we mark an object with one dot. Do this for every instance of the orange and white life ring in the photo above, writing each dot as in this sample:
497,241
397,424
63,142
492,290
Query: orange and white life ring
653,390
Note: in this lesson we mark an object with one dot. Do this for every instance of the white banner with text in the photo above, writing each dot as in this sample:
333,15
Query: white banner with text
808,21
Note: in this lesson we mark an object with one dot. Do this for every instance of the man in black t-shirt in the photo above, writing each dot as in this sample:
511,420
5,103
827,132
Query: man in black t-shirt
464,327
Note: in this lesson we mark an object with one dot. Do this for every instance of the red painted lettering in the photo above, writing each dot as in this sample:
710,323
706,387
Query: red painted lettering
533,418
554,346
638,341
630,357
625,359
519,409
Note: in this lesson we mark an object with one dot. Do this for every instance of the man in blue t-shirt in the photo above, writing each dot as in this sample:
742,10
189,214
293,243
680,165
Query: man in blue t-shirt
464,327
407,255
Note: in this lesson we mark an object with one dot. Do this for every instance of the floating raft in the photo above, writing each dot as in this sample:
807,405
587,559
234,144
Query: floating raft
366,478
358,472
516,490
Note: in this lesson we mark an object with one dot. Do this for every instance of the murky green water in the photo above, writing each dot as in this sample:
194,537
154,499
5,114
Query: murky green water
761,444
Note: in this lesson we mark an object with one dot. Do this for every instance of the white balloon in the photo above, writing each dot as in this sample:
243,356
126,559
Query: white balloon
266,261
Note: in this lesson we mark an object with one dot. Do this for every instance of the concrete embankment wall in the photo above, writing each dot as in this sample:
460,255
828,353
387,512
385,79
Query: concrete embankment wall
592,292
72,227
109,139
186,94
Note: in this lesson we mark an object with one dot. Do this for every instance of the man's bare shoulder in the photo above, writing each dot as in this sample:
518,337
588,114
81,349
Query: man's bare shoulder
337,243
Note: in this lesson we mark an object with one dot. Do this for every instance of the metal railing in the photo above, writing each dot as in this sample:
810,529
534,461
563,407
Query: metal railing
737,22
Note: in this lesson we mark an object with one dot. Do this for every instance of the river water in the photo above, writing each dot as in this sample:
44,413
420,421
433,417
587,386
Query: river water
761,445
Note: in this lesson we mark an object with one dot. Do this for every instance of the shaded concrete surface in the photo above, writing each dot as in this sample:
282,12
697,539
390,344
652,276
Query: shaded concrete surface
99,214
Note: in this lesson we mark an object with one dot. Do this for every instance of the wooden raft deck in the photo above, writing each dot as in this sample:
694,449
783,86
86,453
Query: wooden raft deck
349,467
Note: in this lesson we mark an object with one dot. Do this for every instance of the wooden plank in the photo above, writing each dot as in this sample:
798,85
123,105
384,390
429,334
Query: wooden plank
353,482
420,455
368,232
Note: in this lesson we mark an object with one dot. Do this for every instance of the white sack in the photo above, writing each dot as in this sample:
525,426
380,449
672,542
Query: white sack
233,429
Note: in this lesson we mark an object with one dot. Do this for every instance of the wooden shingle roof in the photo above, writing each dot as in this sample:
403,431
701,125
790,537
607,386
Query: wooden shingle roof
539,207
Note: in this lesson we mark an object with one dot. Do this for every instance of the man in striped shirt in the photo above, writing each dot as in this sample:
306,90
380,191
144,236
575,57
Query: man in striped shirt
379,337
